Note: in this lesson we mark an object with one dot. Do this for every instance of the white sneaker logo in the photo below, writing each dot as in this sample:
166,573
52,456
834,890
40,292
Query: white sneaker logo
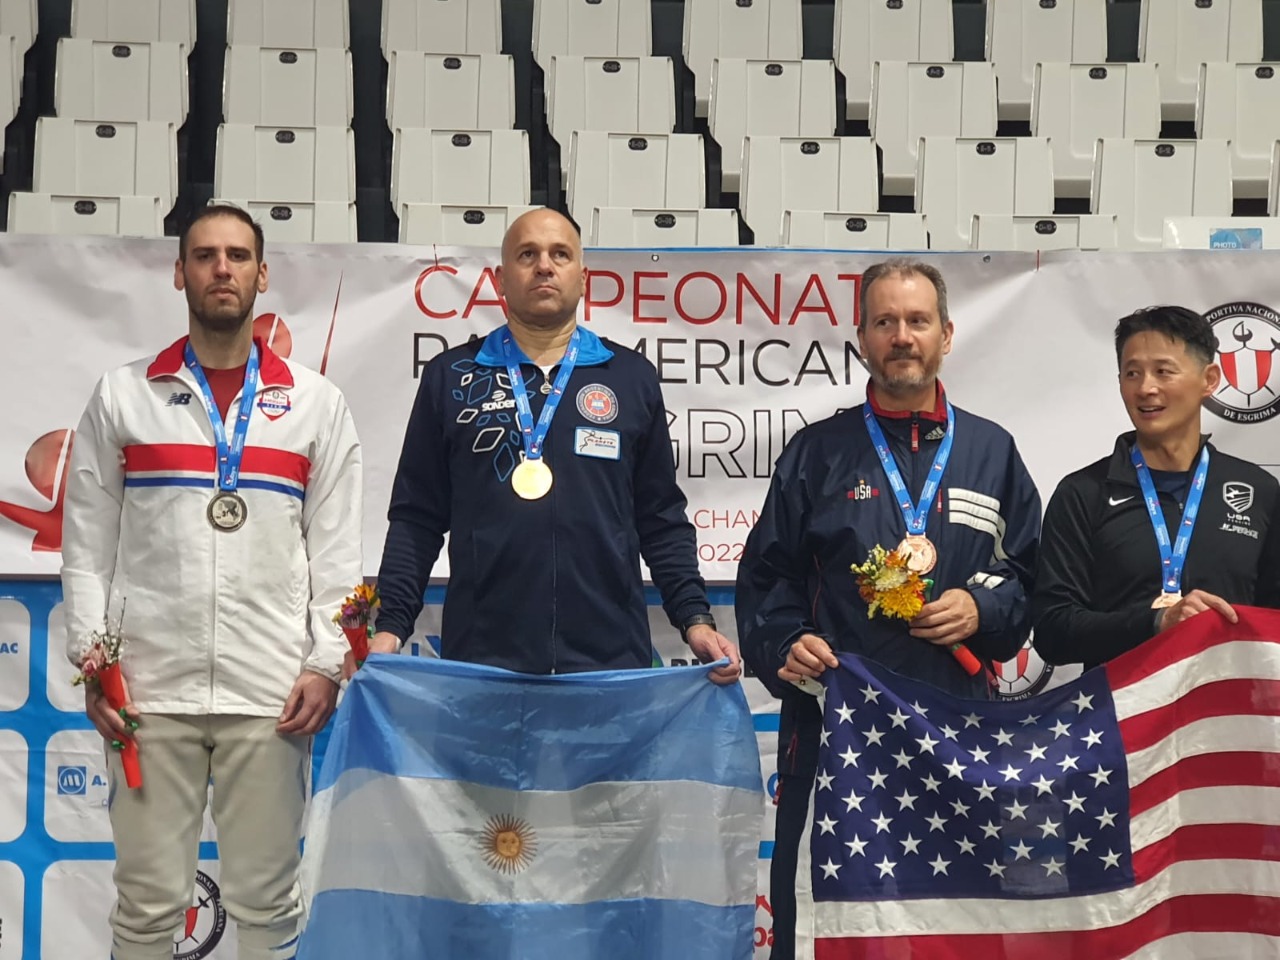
1115,503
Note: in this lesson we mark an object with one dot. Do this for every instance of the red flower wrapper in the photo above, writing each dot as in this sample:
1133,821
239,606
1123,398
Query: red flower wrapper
112,683
353,617
358,637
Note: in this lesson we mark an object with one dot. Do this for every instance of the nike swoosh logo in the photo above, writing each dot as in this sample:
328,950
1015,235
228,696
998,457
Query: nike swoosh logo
1115,503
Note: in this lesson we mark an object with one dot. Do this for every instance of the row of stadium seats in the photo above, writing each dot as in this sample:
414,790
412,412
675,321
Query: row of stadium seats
1137,183
286,145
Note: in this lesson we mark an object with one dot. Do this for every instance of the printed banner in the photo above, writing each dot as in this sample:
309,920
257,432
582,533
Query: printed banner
750,346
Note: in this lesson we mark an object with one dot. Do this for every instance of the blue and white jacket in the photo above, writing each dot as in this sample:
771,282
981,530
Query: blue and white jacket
550,585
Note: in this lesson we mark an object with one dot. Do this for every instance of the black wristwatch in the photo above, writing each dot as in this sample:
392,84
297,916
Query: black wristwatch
696,620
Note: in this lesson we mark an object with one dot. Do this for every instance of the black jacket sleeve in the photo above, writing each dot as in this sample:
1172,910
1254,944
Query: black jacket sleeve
1067,628
772,603
668,541
418,516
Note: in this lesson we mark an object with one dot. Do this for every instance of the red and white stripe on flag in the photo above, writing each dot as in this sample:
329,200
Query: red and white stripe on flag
1198,712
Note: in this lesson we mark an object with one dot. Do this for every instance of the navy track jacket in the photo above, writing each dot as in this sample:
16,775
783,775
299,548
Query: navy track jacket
550,585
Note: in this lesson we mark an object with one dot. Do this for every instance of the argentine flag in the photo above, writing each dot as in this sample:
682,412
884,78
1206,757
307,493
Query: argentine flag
473,813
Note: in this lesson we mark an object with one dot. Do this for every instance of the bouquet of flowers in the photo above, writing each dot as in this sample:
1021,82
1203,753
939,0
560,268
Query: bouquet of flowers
353,617
100,666
890,587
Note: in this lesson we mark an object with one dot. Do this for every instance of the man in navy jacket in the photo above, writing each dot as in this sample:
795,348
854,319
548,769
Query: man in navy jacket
974,524
543,451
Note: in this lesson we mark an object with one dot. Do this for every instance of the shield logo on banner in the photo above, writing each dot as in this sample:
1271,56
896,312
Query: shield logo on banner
1023,676
1248,342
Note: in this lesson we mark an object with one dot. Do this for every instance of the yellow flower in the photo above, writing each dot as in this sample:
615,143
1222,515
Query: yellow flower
903,602
888,586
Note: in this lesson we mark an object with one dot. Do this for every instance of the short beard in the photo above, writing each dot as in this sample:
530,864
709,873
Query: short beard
905,383
221,323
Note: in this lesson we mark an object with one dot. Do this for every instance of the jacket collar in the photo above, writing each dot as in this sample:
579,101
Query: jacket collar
591,350
938,413
272,370
1120,467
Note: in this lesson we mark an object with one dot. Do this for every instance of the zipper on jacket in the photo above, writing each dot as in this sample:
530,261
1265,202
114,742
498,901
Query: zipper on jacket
915,433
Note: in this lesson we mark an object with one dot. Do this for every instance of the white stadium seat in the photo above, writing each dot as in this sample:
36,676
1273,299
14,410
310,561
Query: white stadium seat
285,164
914,100
1020,35
135,21
591,28
466,91
961,177
276,86
797,173
11,63
781,98
1077,104
481,167
1144,181
101,159
625,94
19,19
1221,233
289,23
628,227
81,215
441,26
662,171
302,222
1273,196
758,30
871,30
107,80
1179,35
854,231
993,231
463,225
1240,102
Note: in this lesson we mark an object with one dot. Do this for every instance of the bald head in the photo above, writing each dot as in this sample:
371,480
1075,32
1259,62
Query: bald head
542,219
542,276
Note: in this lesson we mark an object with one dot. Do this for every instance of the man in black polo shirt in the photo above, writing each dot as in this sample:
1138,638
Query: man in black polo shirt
1167,526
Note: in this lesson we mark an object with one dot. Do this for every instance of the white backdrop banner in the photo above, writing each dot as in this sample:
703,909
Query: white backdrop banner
750,347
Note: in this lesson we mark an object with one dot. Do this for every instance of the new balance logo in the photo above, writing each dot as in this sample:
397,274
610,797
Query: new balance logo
178,400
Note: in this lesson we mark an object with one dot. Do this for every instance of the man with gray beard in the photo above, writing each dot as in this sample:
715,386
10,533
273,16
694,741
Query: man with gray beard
906,471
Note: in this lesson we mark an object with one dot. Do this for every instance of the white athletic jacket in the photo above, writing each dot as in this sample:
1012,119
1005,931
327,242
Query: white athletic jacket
215,622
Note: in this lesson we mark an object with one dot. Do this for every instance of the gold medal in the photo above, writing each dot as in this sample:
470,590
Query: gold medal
531,479
227,512
1166,600
921,554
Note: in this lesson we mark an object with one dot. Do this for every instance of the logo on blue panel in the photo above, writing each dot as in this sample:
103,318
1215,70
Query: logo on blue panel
72,781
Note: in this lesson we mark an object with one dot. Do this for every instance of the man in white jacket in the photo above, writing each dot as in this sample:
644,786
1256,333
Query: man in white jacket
214,496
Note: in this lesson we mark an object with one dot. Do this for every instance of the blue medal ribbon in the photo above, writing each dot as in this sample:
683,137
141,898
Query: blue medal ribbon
917,517
229,454
535,436
1172,559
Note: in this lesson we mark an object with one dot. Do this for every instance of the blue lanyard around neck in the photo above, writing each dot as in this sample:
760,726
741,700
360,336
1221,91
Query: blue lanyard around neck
229,454
916,518
535,436
1172,557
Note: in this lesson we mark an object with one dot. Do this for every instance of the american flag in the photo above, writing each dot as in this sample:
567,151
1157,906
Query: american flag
1134,812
